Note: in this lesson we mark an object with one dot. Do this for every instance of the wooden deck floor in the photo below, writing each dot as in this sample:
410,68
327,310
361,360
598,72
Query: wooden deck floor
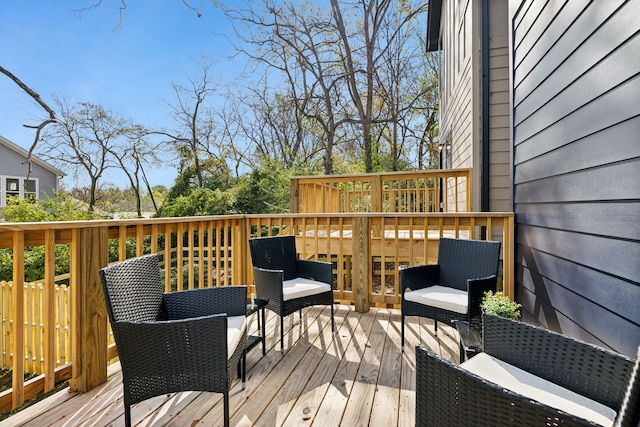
355,377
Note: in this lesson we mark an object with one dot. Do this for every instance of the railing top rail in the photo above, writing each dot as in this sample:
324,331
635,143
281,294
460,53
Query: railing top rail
387,214
390,175
62,225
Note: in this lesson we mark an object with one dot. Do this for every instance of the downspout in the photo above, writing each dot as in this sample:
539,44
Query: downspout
484,171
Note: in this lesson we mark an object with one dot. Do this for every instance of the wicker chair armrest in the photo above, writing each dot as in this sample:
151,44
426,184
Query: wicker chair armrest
418,276
315,270
173,346
268,284
586,369
447,394
205,301
476,289
629,414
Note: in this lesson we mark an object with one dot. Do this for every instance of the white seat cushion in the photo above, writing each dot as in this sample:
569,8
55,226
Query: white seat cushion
235,329
538,389
441,297
299,287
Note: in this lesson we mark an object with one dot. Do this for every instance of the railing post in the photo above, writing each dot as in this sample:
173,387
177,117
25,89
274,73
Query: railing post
376,193
508,261
240,253
17,328
377,200
89,253
294,201
469,191
49,309
361,263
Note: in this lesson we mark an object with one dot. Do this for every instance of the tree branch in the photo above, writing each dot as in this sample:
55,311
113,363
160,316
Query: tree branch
36,97
33,94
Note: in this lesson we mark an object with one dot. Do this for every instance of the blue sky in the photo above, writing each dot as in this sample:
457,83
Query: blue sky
126,67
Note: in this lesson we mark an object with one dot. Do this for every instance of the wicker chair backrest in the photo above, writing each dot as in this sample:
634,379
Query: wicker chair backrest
275,253
565,361
133,290
461,260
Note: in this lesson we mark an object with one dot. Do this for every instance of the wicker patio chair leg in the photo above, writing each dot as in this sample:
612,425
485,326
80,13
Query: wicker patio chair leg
333,322
127,415
402,333
225,398
244,368
263,332
281,334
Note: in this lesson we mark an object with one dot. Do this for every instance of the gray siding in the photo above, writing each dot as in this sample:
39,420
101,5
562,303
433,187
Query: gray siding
461,95
13,164
576,166
459,91
499,125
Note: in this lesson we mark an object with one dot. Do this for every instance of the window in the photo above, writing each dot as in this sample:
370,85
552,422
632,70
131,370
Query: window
17,187
30,189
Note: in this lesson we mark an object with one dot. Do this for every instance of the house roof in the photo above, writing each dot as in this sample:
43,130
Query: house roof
433,25
24,153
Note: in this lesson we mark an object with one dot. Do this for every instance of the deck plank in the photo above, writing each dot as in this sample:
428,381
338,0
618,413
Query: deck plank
333,405
387,398
319,334
355,376
170,409
79,405
255,401
359,404
311,397
208,408
407,412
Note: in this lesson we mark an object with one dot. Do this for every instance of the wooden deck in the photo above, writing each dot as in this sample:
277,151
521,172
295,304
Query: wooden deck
355,377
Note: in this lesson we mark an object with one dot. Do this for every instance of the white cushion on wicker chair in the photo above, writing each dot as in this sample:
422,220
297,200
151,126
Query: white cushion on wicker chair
538,389
235,328
300,287
443,297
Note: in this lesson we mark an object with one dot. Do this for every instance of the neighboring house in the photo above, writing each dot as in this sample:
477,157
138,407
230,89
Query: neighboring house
574,149
474,104
15,178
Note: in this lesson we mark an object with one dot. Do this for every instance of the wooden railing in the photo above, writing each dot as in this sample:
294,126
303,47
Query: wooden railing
366,250
34,315
444,190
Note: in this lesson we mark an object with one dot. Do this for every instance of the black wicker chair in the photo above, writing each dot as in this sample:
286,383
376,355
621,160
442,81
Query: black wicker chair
289,283
453,288
176,341
462,395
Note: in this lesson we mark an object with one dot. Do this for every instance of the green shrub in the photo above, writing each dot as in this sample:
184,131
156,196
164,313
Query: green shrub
500,305
34,262
60,207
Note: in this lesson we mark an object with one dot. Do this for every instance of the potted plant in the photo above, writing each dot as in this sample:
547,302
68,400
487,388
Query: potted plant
500,305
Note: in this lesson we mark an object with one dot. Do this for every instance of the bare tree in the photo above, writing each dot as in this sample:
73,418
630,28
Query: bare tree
332,66
277,131
83,138
406,92
195,133
293,41
362,50
306,50
230,119
133,154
